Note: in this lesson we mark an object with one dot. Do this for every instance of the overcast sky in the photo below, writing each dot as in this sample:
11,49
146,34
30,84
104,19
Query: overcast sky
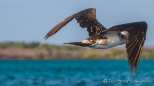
30,20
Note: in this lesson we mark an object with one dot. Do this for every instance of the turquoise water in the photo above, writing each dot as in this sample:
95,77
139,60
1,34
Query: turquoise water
74,73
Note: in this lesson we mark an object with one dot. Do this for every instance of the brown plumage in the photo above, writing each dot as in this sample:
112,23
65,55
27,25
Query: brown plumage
135,42
87,19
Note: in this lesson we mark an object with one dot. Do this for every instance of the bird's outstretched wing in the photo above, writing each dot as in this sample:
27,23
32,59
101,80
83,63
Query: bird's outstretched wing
135,41
86,18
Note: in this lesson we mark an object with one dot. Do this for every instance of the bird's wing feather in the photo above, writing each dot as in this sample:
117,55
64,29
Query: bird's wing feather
85,18
59,26
135,41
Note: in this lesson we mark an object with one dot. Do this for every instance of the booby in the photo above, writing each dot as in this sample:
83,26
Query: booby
132,34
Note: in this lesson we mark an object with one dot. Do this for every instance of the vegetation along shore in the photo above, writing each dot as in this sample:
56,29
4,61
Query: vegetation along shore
36,50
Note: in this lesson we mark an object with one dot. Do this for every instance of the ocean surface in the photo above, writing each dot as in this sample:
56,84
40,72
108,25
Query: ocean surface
75,73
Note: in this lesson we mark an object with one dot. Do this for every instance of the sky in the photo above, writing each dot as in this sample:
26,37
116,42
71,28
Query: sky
30,20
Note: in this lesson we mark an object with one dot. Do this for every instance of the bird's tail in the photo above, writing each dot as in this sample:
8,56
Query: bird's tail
78,44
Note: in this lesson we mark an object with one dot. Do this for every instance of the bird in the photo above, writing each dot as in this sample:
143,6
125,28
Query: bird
132,34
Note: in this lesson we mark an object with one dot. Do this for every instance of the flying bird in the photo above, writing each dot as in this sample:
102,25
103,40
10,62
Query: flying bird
131,34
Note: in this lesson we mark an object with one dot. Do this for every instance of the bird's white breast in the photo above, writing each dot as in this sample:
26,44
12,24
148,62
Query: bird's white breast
113,40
